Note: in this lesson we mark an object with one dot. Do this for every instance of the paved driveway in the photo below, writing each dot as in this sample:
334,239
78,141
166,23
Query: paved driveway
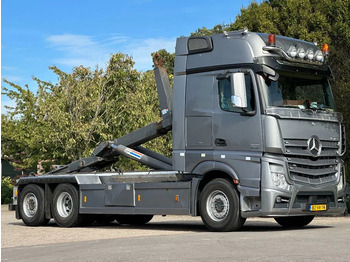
176,238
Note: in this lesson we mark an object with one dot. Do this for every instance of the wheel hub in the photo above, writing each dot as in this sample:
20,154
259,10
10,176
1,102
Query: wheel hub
217,205
30,206
64,204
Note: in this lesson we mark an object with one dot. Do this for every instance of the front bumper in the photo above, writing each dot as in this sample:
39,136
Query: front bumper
296,198
279,203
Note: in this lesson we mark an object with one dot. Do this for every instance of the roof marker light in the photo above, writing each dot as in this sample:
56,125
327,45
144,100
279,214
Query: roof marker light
271,40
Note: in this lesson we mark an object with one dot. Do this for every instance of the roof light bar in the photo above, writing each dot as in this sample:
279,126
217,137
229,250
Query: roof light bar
296,52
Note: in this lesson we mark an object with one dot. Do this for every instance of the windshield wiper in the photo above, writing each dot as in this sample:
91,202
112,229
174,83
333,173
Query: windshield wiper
288,106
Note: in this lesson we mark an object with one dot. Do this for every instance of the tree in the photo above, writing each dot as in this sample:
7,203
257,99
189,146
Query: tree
6,190
169,60
64,122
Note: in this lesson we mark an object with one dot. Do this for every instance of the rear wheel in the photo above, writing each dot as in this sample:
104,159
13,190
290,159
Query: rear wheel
296,221
219,206
65,207
133,219
31,205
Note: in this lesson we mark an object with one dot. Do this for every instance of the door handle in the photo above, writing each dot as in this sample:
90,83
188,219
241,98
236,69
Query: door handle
220,142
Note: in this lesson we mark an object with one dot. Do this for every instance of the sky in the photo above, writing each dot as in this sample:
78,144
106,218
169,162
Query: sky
37,34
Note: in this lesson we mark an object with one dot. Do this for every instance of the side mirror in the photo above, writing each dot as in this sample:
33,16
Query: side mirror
238,90
271,74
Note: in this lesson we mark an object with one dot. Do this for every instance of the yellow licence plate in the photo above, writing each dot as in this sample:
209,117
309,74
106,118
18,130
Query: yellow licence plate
318,207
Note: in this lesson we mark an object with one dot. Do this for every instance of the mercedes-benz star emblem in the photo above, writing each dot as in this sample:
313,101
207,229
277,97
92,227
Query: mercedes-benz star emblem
314,146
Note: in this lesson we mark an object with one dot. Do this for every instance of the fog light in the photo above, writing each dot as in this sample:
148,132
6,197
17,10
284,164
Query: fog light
341,199
280,199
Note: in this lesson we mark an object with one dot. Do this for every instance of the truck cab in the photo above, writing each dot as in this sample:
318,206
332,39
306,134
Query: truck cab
260,108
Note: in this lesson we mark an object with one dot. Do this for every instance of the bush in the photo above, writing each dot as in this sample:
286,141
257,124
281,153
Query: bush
6,190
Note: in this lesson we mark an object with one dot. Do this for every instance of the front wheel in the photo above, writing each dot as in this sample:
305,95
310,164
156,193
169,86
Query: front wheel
219,206
296,221
65,206
31,205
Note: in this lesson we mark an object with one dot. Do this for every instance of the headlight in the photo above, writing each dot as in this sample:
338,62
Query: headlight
278,177
340,184
341,179
279,180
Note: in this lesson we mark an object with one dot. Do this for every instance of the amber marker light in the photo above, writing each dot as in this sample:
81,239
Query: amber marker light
325,49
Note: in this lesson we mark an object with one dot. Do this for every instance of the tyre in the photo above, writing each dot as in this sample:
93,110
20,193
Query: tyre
133,219
296,221
219,206
65,206
32,206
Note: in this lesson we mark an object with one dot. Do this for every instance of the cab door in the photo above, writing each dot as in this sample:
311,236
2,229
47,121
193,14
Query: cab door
237,131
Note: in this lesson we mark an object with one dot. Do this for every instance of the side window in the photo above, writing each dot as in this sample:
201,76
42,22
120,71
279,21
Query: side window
225,95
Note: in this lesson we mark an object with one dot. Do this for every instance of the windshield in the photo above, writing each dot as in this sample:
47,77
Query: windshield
304,93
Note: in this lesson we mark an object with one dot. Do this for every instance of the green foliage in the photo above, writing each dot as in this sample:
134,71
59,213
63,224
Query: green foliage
169,60
205,31
65,121
6,190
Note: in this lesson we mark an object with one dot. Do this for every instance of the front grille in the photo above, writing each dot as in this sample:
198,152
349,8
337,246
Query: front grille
305,167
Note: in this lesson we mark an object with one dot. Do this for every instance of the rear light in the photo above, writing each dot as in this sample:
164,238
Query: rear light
271,40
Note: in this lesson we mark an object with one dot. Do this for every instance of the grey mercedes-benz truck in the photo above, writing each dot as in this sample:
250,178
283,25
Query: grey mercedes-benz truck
255,133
